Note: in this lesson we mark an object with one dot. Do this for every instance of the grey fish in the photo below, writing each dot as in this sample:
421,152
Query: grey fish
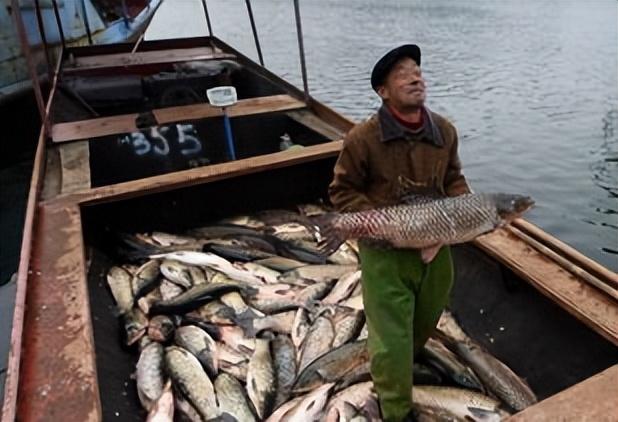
235,337
222,230
187,374
119,281
145,278
193,298
463,404
177,273
272,298
424,222
169,239
317,273
314,292
497,377
201,345
331,366
232,399
150,375
425,375
449,328
135,325
163,409
237,253
261,379
439,356
215,312
279,323
291,231
343,288
344,255
265,273
284,358
161,328
348,322
300,327
198,276
317,342
357,374
311,407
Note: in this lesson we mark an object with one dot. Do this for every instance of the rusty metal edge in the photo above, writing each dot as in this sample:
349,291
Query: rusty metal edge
12,374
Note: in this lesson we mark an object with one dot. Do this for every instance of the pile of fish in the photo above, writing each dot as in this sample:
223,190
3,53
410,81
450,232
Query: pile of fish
245,320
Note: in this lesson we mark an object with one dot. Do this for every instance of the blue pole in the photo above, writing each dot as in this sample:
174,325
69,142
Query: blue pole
228,136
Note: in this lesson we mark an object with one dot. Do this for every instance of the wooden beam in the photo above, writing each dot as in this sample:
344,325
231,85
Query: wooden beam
196,176
591,400
313,122
139,58
589,305
112,125
75,165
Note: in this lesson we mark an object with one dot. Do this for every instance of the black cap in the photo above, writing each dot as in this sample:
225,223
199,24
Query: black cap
384,65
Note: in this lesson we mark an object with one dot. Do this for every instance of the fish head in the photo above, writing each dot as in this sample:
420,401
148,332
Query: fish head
510,207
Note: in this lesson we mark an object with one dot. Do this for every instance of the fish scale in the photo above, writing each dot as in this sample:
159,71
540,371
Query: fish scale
421,222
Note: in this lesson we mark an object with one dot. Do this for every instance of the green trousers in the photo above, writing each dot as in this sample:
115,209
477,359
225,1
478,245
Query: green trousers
403,299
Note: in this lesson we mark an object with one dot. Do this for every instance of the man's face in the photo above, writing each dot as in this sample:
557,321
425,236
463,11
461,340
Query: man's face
404,86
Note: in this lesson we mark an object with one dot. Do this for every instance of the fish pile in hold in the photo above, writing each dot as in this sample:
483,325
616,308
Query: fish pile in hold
245,320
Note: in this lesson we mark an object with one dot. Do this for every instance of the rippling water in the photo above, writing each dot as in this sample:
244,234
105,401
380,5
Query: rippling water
530,85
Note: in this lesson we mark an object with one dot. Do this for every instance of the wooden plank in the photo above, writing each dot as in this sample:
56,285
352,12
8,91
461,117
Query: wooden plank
185,178
139,58
75,165
53,174
567,251
593,400
104,126
586,303
313,122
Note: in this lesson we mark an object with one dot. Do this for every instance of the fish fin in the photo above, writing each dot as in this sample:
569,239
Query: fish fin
330,238
428,254
483,414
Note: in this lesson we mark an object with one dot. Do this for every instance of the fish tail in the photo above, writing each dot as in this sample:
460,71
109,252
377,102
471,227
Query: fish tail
330,238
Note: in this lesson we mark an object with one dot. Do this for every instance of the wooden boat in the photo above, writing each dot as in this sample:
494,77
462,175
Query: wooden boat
534,302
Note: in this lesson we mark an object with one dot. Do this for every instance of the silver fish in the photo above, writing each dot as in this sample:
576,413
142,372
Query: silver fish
300,327
358,395
168,291
119,281
439,356
424,222
177,273
161,328
187,374
463,404
150,376
317,273
135,325
349,322
261,379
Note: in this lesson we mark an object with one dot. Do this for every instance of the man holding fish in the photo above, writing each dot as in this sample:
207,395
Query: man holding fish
404,290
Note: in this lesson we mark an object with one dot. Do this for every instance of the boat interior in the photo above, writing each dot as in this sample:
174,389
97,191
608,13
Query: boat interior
512,320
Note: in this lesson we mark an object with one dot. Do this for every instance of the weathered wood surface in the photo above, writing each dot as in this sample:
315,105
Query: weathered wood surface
75,167
591,306
593,400
138,58
313,122
126,123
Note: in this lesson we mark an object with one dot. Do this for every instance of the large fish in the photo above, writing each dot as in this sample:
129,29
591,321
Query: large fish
284,359
232,399
317,342
421,222
311,407
119,281
150,376
193,298
439,356
497,377
200,344
458,403
187,374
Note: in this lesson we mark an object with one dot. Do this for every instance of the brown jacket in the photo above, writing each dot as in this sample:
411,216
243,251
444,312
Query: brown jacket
378,151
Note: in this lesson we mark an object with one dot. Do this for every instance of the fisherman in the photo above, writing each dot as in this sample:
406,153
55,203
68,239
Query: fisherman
404,290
